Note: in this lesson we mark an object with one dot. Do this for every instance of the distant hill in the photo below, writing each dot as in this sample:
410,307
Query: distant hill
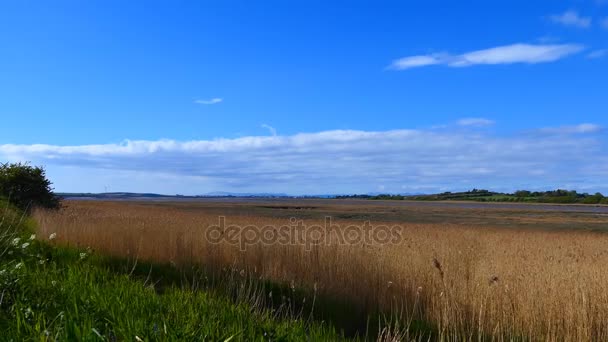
477,195
215,194
133,195
243,194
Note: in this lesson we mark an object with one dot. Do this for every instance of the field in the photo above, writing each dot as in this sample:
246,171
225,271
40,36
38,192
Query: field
453,272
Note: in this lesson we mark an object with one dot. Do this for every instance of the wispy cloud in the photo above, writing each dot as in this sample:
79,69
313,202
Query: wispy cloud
418,61
604,23
576,129
508,54
598,54
270,129
212,101
475,122
336,161
571,18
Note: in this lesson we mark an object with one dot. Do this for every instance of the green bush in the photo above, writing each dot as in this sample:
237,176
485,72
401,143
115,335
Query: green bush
26,186
595,199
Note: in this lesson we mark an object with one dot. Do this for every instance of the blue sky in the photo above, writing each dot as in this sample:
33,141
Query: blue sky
306,96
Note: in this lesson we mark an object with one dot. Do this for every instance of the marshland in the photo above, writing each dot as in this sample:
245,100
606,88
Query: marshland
454,272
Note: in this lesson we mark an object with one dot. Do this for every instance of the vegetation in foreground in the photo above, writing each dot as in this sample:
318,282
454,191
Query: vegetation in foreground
455,282
56,293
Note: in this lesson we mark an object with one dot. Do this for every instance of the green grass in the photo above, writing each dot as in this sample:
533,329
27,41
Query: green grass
53,293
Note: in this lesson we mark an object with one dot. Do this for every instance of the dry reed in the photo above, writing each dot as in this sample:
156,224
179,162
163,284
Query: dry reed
468,282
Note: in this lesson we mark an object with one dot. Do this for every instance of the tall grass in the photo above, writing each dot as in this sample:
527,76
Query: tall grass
456,282
54,293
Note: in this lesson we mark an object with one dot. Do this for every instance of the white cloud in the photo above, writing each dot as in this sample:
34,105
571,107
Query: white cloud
212,101
577,129
476,122
598,54
270,129
339,161
416,61
571,18
508,54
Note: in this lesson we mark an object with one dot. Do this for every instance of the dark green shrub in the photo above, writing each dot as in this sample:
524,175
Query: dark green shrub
26,187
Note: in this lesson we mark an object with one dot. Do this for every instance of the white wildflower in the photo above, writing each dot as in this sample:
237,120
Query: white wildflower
2,272
32,237
16,241
53,282
83,255
52,236
19,266
25,245
41,262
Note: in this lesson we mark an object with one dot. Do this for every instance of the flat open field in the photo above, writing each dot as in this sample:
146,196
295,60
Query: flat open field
510,215
463,270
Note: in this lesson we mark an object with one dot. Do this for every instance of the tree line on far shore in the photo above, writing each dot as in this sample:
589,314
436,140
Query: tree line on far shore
480,195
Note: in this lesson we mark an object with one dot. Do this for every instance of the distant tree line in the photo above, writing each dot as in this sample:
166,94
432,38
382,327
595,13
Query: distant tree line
481,195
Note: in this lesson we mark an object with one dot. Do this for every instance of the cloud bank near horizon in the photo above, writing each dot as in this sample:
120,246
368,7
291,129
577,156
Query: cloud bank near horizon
338,161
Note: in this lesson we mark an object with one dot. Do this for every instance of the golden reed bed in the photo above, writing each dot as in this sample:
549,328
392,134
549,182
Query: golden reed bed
469,282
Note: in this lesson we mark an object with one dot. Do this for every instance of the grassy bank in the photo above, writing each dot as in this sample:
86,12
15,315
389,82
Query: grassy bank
57,293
